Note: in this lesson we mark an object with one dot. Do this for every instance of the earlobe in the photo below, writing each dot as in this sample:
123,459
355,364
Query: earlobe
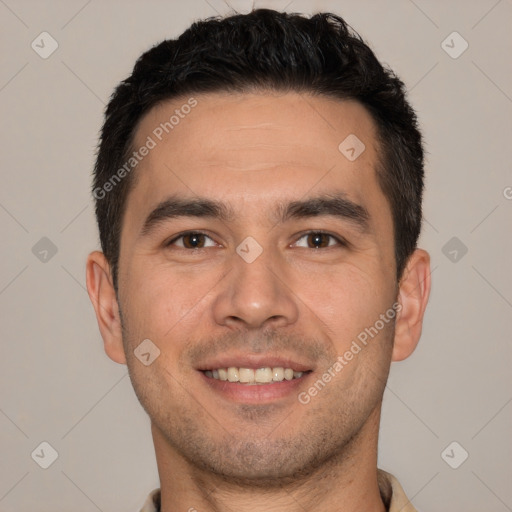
103,297
413,296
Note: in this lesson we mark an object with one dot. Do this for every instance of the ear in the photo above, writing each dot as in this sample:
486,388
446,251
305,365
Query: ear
103,297
414,290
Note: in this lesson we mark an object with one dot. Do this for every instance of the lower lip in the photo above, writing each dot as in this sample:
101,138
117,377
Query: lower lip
257,393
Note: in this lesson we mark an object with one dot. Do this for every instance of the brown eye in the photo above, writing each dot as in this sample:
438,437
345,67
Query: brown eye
191,240
319,240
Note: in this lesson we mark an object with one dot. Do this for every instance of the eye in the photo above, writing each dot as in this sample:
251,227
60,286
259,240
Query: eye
198,240
320,240
191,240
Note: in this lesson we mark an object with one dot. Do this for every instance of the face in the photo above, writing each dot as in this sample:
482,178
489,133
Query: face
251,241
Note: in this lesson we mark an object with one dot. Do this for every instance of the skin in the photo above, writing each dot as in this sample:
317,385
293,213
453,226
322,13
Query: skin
253,151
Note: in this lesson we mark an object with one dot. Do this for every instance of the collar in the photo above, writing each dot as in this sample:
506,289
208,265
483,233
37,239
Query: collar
391,491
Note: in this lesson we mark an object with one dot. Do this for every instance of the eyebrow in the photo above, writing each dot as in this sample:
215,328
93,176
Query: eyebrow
335,205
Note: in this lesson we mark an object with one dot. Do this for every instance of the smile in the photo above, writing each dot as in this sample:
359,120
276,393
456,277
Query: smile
250,376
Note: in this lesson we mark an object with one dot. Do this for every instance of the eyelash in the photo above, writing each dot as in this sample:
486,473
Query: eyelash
341,241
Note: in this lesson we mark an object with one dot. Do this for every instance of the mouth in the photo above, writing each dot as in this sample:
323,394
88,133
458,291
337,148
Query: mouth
254,376
255,379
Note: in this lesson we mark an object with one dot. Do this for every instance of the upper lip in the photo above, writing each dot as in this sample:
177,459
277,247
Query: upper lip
255,361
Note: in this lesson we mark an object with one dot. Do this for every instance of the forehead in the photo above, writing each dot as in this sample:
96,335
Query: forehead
255,122
263,142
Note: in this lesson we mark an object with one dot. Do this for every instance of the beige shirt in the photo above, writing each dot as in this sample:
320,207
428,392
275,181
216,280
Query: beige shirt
391,491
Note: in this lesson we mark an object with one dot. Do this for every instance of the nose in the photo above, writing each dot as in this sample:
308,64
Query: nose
256,294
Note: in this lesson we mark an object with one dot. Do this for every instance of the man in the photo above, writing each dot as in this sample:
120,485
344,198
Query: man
258,193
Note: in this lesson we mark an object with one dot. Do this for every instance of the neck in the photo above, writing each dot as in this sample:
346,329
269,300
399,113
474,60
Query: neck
346,482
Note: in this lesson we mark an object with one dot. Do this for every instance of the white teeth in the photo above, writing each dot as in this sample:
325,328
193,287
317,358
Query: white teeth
278,374
246,375
263,375
233,375
250,376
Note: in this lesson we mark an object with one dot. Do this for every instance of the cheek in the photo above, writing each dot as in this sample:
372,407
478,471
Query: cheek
163,302
151,304
347,301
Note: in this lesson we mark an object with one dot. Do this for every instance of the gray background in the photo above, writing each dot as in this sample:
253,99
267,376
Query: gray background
56,383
